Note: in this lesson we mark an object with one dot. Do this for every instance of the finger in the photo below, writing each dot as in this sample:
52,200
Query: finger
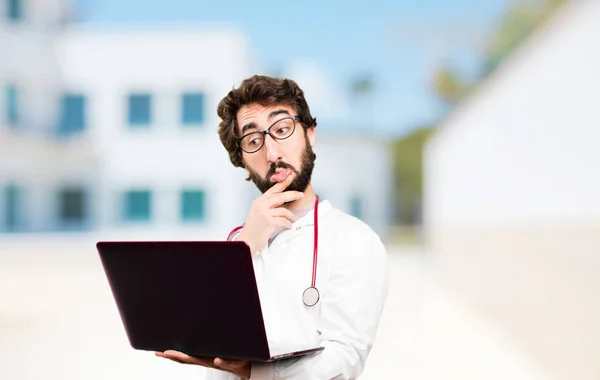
180,357
177,361
284,213
161,355
281,198
280,186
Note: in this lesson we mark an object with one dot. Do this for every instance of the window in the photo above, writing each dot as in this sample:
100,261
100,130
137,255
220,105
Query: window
11,207
356,207
14,10
12,106
137,205
139,109
72,206
73,114
193,205
192,112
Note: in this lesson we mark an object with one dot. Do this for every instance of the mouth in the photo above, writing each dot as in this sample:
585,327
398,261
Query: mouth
281,175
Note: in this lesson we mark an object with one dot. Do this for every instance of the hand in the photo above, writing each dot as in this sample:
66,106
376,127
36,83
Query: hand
239,368
266,214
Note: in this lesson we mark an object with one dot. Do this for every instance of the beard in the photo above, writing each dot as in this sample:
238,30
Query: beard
300,182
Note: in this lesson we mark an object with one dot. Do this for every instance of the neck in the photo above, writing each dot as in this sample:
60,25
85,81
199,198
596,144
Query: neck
308,200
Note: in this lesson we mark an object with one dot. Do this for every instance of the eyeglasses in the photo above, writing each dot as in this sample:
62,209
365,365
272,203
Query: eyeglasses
280,130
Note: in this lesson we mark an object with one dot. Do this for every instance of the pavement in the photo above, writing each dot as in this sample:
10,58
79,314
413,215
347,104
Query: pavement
58,320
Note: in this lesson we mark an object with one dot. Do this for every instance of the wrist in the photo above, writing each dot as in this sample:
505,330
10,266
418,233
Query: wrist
248,241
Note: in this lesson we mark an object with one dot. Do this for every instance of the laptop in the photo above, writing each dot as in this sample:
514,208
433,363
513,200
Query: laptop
197,297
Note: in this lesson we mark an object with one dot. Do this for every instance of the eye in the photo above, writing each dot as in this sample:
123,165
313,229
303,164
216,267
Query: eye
282,130
254,142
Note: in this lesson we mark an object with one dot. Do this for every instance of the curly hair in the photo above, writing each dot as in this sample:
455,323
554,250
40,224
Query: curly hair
265,91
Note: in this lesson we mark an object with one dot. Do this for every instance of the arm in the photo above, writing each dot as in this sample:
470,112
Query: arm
350,315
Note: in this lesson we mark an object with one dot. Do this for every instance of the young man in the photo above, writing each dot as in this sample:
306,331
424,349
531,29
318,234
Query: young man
267,129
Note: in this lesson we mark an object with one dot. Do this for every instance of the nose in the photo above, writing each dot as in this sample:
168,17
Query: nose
273,149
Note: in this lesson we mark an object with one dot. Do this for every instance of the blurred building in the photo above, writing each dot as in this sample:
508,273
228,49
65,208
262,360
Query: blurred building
114,129
512,205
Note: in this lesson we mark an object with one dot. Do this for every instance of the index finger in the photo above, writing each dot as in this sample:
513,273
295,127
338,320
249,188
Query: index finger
280,186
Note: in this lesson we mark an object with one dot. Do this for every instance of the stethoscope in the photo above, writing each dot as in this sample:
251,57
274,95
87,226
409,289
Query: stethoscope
311,295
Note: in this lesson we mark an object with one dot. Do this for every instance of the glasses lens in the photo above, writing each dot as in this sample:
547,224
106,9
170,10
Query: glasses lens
252,142
283,128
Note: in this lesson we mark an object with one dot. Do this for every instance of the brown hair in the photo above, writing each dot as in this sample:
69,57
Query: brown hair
265,91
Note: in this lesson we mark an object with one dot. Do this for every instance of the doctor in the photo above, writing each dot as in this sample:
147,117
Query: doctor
322,274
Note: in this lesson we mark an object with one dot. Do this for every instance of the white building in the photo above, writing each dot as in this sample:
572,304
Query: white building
512,205
115,130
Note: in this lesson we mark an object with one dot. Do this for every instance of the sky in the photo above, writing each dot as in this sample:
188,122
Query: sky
325,45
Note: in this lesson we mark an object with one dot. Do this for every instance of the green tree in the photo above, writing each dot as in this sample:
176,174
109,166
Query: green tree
408,174
361,92
519,22
361,85
449,86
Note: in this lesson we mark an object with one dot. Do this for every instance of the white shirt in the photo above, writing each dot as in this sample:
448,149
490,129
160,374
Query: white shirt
352,279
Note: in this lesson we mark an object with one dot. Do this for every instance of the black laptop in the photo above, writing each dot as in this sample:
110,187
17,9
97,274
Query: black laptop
199,298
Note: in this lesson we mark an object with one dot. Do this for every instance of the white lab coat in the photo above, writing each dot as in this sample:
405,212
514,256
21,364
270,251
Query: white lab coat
352,278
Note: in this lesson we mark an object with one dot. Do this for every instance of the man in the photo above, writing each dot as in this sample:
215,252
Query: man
267,129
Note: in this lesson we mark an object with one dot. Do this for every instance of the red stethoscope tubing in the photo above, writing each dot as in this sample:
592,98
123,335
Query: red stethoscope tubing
315,243
315,252
232,233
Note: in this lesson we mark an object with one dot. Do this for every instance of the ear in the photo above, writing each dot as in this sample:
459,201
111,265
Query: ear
310,133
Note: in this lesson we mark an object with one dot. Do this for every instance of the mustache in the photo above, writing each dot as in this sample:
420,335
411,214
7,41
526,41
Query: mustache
280,165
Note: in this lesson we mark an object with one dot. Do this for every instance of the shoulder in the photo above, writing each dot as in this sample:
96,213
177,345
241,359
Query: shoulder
351,230
356,245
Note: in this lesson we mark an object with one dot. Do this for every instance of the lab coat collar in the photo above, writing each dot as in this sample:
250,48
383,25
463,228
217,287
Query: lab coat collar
307,220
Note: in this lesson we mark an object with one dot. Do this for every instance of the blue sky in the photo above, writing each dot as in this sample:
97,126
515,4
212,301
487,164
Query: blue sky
326,44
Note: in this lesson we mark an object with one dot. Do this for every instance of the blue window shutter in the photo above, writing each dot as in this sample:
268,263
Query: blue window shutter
137,205
193,205
192,112
11,206
15,10
139,109
73,114
72,202
356,207
12,106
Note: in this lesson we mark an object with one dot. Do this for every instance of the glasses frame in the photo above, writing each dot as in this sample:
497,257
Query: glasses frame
266,132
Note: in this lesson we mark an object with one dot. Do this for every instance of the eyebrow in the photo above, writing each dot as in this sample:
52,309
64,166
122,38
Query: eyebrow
253,125
248,126
277,112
